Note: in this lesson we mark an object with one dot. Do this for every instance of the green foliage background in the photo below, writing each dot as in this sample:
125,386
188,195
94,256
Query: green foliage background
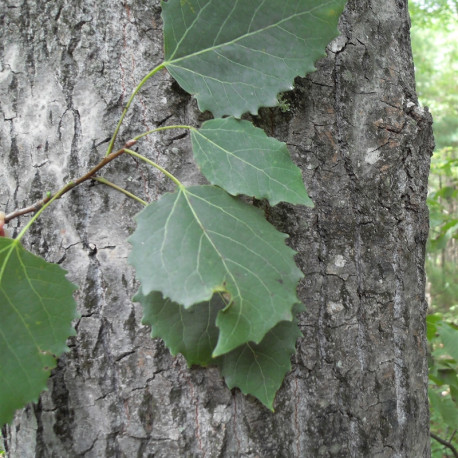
434,36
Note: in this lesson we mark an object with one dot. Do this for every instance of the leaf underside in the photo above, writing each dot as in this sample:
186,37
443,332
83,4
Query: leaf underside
236,56
242,159
198,241
257,369
36,311
190,331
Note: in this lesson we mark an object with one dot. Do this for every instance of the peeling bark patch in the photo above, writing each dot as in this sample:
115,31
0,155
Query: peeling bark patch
372,157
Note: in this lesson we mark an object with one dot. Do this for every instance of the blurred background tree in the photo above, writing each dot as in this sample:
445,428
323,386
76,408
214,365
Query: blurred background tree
434,36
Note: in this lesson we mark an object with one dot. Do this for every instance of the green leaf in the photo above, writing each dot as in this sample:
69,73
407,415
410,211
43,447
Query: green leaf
446,408
236,56
446,192
449,377
198,241
431,325
259,369
242,159
449,337
36,310
436,379
189,331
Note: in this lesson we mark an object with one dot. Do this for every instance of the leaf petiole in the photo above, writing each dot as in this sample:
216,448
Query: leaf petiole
157,166
118,188
129,102
158,129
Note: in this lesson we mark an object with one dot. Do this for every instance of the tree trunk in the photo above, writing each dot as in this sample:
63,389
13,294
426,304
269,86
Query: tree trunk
358,387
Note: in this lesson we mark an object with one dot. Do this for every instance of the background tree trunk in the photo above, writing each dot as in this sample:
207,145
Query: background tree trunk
358,387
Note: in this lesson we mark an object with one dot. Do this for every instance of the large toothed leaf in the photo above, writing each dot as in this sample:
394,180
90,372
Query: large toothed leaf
242,159
190,331
259,369
36,310
236,56
200,240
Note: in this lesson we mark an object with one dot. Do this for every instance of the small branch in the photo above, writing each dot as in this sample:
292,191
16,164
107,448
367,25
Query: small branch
445,444
118,188
37,205
23,211
2,222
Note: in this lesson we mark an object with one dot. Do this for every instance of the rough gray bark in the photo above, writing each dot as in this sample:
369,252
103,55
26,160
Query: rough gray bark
358,384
